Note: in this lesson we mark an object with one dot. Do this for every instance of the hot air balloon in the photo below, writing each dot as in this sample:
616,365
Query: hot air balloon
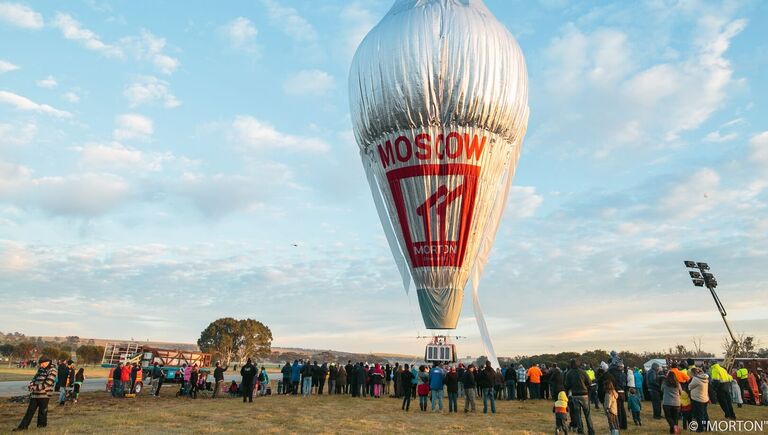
439,105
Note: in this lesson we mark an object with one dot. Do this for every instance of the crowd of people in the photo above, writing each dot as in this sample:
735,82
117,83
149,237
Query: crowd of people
679,393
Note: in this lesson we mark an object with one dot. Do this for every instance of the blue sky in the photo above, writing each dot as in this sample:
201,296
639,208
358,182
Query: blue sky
158,161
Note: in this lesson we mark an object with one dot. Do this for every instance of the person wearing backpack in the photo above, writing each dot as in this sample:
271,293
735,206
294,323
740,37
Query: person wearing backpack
263,381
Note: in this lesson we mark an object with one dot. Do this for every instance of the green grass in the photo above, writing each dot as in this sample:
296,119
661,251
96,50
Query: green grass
17,374
99,413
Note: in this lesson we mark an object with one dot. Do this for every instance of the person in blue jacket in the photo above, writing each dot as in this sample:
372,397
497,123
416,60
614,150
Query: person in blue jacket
295,377
436,383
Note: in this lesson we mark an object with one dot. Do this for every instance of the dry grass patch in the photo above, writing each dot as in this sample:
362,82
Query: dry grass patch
99,413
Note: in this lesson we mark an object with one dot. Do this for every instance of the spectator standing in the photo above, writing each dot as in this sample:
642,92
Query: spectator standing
698,388
117,384
470,388
671,391
534,376
436,385
332,373
486,382
405,381
555,381
452,385
635,406
39,394
307,374
576,381
295,377
522,376
721,382
248,374
218,377
611,406
422,387
160,380
341,380
286,372
654,380
321,377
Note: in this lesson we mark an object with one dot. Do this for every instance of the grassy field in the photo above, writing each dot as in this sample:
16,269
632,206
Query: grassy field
17,374
99,413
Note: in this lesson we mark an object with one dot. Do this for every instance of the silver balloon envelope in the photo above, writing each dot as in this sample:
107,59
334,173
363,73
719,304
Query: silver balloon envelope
439,105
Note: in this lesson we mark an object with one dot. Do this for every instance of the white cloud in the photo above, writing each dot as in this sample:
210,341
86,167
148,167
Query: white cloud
24,103
523,202
221,194
241,33
759,148
133,126
250,132
6,66
71,96
20,15
358,21
17,134
148,47
715,136
72,29
115,155
89,194
48,82
694,196
308,82
148,89
12,178
289,21
639,103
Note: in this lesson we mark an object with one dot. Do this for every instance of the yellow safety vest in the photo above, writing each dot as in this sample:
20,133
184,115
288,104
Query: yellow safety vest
742,373
591,374
719,374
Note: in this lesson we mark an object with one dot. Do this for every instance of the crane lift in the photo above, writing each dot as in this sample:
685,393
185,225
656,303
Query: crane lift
703,278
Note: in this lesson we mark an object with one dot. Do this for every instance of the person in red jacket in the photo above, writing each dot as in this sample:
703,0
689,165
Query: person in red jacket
125,377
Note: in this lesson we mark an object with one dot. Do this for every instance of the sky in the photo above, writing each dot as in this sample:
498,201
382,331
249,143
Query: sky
164,164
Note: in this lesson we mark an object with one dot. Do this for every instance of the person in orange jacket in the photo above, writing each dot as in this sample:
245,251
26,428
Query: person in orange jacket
534,378
681,376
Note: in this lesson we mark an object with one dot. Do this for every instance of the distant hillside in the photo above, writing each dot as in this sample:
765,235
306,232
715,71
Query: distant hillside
104,341
279,354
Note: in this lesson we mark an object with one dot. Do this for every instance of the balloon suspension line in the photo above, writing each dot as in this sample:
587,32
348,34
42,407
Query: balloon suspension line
413,317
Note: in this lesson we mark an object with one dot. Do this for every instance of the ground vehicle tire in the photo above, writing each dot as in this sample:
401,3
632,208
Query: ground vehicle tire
138,387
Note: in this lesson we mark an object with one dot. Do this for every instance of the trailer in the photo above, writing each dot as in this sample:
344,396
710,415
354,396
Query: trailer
145,356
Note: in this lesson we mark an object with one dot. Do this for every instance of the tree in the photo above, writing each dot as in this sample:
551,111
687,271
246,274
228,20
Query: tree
227,338
51,352
7,350
221,338
88,354
73,340
256,339
25,350
747,346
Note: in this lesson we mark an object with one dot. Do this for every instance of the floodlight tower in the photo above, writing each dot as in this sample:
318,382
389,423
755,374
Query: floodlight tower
701,279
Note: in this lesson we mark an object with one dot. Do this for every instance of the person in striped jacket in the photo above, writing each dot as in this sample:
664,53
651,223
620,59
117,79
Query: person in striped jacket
39,391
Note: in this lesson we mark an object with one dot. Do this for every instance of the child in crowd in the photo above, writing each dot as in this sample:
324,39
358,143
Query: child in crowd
233,390
561,413
611,407
635,405
686,408
79,379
